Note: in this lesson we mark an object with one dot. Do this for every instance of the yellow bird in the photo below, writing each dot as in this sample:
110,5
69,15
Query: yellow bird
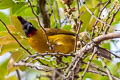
62,41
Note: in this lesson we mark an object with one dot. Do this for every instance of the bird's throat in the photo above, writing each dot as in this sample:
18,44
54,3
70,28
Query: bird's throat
32,33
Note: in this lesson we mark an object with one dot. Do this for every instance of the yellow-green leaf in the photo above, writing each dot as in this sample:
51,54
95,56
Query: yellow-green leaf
17,24
15,57
6,4
12,78
3,69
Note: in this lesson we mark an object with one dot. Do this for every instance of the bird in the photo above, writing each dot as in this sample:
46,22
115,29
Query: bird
62,41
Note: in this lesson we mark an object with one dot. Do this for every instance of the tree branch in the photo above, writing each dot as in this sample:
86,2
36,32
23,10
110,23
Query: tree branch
15,38
44,13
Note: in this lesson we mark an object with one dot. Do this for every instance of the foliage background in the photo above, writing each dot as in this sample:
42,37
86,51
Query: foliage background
9,46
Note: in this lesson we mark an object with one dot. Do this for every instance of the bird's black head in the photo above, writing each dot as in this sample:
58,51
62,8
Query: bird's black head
28,28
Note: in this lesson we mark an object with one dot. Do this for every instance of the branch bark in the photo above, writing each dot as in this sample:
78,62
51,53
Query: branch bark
44,13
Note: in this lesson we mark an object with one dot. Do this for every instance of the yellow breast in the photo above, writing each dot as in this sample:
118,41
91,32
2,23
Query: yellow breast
61,42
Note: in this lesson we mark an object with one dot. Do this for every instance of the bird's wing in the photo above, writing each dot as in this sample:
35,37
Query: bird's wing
53,31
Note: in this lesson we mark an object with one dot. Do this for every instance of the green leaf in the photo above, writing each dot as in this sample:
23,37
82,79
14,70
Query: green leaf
114,69
85,18
9,47
17,24
97,62
53,25
116,19
67,27
47,61
35,23
12,78
89,75
44,78
106,45
24,11
17,8
92,20
103,78
6,4
16,56
92,3
3,33
118,67
5,19
67,59
3,69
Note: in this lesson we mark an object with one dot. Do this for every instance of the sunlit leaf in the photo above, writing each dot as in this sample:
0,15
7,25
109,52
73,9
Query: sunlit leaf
92,3
5,19
114,69
12,78
98,63
67,59
92,21
3,33
6,4
44,78
17,8
91,76
11,44
85,19
24,11
104,78
106,45
116,19
6,39
16,56
3,69
67,27
12,28
35,23
9,47
17,24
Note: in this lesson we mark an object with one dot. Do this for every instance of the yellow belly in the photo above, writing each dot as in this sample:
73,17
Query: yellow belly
61,42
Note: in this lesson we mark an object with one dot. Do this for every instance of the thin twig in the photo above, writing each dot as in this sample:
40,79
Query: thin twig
102,28
50,46
112,19
78,6
99,16
53,13
100,71
107,70
93,66
88,63
116,56
77,35
18,74
102,74
38,67
110,13
16,38
90,46
52,54
93,14
58,13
